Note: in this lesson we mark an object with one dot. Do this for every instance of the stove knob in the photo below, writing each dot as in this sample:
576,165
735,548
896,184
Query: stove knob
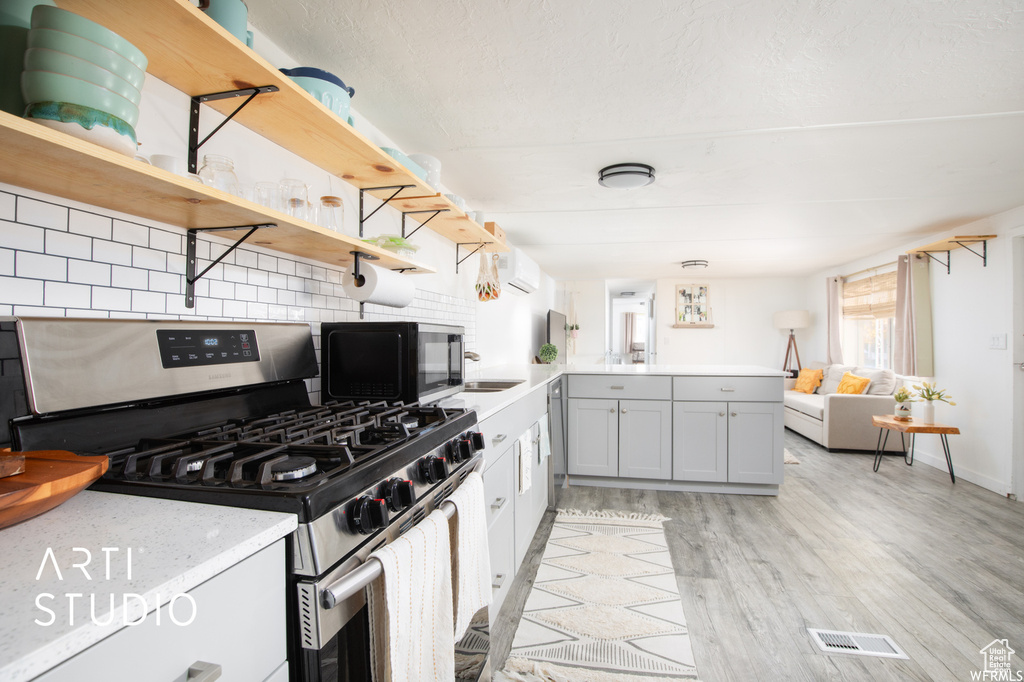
433,469
451,450
399,494
465,448
368,514
477,439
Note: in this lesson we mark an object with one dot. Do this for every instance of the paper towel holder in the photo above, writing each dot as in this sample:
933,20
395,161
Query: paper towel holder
355,271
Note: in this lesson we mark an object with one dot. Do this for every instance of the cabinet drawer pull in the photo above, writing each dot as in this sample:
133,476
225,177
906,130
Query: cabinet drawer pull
499,503
500,437
612,410
623,410
732,414
201,671
498,581
728,390
617,388
721,414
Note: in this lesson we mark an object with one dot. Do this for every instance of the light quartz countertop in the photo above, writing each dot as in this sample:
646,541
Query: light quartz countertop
535,376
175,546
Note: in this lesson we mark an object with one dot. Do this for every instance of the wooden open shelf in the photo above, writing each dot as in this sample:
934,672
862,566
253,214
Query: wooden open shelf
194,54
50,161
952,243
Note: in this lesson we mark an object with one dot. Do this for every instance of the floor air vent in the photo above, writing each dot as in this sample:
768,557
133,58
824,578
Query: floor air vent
859,643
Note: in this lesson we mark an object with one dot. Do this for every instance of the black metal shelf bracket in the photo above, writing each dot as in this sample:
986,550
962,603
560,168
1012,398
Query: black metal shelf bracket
984,251
458,262
363,218
193,125
191,260
945,265
359,255
435,211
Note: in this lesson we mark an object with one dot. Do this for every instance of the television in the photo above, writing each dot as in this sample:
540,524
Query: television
557,334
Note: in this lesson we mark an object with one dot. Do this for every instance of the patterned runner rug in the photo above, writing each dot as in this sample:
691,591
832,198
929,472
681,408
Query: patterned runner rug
604,606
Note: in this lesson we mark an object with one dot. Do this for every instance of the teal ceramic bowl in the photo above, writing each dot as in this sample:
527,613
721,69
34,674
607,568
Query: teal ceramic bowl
69,22
86,124
38,59
330,95
401,158
44,86
49,39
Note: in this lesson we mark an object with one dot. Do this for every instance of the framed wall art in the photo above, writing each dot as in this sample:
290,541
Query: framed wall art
693,306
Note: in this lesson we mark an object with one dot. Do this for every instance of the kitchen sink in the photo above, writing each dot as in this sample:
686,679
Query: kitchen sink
489,386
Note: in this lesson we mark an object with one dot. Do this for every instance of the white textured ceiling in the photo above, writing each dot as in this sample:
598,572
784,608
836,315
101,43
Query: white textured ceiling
787,135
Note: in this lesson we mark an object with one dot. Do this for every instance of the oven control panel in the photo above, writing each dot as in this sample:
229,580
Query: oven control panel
198,348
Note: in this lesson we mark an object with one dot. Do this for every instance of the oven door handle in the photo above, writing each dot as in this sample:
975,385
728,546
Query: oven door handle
351,583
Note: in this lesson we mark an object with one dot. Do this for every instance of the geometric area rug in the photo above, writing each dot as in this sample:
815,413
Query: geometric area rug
604,605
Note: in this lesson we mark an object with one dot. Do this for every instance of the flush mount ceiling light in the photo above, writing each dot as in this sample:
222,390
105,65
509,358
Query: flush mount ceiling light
626,176
700,263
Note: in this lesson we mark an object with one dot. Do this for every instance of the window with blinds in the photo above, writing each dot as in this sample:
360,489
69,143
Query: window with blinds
870,298
869,313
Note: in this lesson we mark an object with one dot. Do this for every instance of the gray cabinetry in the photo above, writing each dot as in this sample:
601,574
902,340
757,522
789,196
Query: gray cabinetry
700,441
593,437
645,439
755,442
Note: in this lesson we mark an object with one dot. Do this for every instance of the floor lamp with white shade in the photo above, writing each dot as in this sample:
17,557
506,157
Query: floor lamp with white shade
792,320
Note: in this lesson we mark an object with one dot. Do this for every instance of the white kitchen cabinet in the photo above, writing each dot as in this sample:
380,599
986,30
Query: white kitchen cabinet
755,442
239,625
531,503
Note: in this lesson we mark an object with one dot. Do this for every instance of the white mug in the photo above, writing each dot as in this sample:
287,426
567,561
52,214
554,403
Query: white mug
170,163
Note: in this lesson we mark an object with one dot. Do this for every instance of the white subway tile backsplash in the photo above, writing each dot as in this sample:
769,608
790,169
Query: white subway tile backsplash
66,295
244,292
319,301
90,224
6,309
8,204
21,291
285,297
42,214
257,311
88,272
266,263
219,289
111,252
37,311
296,283
285,266
176,263
303,299
87,312
319,273
38,266
129,278
209,307
167,282
265,295
112,299
171,242
131,233
22,237
67,244
6,262
277,312
235,309
148,259
258,278
234,273
149,302
246,258
304,270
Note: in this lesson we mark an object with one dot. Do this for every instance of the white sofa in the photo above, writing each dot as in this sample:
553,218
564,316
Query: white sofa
839,421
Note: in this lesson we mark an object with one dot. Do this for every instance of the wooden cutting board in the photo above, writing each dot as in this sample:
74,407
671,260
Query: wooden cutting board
50,477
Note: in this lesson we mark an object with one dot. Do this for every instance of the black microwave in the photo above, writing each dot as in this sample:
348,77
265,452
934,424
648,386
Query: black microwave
406,361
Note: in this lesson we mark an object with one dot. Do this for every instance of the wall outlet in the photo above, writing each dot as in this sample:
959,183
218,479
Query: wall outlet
997,342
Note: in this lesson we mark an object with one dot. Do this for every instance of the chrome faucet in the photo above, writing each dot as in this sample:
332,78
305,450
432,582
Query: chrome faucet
470,355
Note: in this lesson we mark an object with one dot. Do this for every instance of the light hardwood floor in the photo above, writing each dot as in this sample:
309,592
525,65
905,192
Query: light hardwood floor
904,552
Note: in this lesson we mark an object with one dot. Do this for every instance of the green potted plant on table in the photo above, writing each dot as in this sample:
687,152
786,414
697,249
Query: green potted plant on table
929,394
903,399
548,353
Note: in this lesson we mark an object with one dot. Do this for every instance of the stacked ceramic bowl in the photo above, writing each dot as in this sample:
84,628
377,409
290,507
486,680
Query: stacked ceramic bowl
83,79
325,87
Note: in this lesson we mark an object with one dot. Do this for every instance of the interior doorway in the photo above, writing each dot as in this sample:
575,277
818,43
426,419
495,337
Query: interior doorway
631,323
1017,348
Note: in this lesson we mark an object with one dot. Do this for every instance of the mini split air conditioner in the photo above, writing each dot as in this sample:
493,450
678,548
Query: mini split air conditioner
519,272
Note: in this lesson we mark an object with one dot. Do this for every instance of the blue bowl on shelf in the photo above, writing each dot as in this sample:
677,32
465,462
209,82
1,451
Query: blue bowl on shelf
310,72
401,158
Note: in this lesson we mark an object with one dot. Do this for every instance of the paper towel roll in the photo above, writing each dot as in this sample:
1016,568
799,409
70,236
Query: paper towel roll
379,285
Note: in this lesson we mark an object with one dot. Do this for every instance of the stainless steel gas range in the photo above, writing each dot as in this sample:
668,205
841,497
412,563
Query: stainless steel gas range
219,413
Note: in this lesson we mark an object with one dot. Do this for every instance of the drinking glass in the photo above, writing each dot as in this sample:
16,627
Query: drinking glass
295,198
269,194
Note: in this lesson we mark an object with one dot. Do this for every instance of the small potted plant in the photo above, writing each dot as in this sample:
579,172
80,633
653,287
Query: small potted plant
929,394
574,330
903,399
548,353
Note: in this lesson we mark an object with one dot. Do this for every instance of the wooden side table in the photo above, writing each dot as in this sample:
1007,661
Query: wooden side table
887,422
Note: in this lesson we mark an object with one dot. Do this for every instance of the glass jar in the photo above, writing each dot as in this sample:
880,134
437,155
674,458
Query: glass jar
332,213
219,171
295,199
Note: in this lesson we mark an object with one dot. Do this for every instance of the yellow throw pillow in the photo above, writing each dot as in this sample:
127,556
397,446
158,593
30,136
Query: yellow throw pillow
852,384
808,380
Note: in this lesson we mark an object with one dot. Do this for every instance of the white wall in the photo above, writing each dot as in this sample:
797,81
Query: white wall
592,315
742,311
512,329
969,306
